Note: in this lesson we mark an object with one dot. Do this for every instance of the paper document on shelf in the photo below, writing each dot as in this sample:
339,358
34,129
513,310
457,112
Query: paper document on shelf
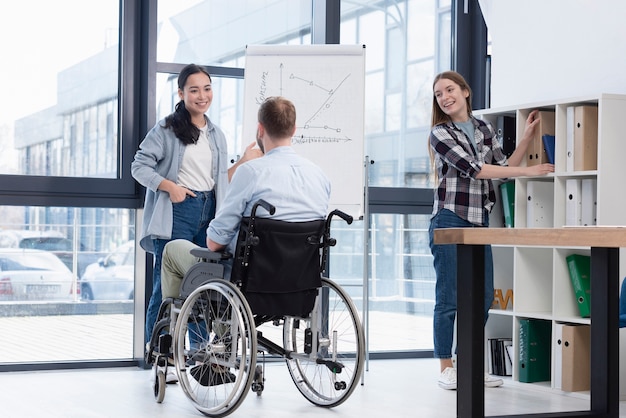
558,355
573,202
510,355
589,202
539,204
585,138
569,139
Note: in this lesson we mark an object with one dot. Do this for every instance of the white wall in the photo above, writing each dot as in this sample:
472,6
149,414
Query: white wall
545,50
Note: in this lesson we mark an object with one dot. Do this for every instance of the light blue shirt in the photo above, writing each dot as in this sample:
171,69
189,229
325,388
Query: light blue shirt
298,189
159,157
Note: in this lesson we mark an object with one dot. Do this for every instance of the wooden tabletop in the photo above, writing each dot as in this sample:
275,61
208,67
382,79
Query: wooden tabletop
587,236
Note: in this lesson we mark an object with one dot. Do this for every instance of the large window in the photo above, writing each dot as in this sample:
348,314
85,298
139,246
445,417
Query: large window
60,145
405,47
79,98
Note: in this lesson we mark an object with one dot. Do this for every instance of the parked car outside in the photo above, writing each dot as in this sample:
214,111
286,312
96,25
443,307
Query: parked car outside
34,275
52,241
112,277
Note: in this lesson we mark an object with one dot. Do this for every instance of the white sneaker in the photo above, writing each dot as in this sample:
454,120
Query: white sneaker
492,381
447,380
170,375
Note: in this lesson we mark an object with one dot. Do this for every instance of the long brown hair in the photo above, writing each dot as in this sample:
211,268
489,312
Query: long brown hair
438,116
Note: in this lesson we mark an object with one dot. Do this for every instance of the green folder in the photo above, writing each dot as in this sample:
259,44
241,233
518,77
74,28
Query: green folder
579,267
507,196
535,338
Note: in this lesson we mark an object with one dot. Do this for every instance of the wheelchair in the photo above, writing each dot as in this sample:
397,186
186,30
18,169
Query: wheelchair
209,334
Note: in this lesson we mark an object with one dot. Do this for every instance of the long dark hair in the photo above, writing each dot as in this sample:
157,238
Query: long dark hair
180,119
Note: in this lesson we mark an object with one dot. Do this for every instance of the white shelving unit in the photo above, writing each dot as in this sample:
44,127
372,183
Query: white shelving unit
539,276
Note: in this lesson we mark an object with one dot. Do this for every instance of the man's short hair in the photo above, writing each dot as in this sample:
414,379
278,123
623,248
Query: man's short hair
278,116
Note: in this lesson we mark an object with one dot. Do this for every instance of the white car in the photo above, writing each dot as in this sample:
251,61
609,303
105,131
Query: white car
34,275
52,241
112,277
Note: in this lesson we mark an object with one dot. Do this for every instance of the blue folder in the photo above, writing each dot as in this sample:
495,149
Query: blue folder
548,144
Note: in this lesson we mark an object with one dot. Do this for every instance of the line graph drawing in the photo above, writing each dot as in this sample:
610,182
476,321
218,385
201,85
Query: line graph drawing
326,85
327,103
316,112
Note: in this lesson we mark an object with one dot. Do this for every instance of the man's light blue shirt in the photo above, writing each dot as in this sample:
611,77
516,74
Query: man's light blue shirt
298,189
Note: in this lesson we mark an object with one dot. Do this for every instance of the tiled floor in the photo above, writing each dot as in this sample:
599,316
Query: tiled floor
392,388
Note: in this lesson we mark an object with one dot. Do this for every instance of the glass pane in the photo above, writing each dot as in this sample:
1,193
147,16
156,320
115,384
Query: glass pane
420,97
401,278
213,32
407,43
371,33
374,106
67,281
59,114
422,14
402,283
445,41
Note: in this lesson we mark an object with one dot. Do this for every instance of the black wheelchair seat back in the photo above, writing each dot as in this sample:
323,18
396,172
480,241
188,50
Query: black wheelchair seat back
277,264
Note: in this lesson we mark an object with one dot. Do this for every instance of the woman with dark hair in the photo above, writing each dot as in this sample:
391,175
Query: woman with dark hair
182,162
465,156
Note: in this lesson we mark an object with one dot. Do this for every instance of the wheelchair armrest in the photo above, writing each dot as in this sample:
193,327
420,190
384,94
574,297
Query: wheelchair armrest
208,255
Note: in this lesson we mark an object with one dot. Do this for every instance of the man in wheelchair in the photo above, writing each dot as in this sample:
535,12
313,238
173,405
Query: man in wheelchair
298,189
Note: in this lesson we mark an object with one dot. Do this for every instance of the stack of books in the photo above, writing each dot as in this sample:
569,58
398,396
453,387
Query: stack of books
501,356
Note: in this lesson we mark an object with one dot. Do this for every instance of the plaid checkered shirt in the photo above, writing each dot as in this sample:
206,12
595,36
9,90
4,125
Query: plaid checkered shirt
458,164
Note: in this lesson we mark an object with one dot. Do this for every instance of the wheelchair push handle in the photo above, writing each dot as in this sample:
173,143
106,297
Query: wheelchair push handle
342,215
339,213
271,209
328,241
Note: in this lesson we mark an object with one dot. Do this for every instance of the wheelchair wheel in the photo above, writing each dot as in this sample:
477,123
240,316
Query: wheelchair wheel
328,348
159,386
215,348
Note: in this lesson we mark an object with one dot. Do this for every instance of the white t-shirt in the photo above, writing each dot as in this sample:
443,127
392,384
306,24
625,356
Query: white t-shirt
196,168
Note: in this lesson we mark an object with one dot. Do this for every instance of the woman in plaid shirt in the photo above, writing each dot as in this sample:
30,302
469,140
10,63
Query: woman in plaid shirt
465,156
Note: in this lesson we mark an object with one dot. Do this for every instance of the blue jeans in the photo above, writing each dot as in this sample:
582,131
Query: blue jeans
444,259
191,219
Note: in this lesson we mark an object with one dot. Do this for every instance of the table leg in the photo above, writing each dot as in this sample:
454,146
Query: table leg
470,331
605,332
